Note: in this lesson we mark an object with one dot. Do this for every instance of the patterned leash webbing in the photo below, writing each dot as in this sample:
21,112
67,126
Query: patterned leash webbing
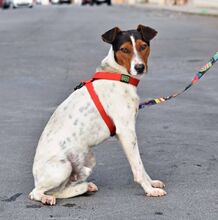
197,77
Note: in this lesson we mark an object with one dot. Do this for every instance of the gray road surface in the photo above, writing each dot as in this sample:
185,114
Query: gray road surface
46,51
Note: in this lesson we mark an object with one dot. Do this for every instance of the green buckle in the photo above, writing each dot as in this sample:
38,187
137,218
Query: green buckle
125,78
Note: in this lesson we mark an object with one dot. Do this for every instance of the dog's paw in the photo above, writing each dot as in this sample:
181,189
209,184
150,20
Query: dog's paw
155,192
92,187
48,200
157,184
31,196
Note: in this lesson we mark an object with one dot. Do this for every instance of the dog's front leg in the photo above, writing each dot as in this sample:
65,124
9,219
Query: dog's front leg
129,142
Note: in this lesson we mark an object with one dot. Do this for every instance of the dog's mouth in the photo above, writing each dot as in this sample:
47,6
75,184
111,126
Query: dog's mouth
142,73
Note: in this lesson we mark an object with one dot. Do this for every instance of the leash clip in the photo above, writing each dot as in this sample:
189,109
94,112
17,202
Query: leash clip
79,86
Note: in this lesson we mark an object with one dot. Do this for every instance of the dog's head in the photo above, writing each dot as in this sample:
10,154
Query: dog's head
131,48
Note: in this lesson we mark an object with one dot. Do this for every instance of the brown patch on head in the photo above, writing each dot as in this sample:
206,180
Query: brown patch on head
124,55
122,39
143,50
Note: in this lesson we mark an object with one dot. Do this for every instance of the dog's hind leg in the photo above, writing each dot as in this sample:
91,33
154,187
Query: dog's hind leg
50,177
73,190
79,186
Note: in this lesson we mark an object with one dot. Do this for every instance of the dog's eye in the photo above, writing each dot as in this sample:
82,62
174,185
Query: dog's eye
124,50
144,46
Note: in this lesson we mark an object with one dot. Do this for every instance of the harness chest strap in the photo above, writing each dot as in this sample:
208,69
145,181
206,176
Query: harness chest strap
107,76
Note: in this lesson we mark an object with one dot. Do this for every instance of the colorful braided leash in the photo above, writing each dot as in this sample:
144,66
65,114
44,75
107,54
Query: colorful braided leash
197,77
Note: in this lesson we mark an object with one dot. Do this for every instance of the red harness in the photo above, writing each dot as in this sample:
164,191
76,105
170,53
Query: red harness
106,76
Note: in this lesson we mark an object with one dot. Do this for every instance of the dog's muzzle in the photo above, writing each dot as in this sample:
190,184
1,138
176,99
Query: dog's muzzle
139,68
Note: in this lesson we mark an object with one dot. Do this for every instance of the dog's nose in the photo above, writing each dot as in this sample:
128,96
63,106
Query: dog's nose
139,68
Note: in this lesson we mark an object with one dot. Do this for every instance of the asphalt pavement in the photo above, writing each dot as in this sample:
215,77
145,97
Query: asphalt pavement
46,51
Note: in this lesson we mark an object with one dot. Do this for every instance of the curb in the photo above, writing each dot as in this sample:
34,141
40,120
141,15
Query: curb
182,9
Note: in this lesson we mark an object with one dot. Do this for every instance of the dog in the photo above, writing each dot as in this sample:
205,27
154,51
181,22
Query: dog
64,158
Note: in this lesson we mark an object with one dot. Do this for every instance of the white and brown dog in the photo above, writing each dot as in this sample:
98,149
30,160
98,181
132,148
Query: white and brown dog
64,157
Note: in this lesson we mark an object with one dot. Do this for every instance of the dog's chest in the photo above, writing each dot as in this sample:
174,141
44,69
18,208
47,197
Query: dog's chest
117,98
77,122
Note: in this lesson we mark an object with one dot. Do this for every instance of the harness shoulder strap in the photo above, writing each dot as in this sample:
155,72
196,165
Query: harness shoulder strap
100,108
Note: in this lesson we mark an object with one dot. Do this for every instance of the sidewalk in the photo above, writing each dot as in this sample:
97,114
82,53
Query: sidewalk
190,9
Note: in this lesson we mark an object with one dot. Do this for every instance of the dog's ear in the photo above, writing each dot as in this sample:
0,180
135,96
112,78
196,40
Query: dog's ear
110,35
146,32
